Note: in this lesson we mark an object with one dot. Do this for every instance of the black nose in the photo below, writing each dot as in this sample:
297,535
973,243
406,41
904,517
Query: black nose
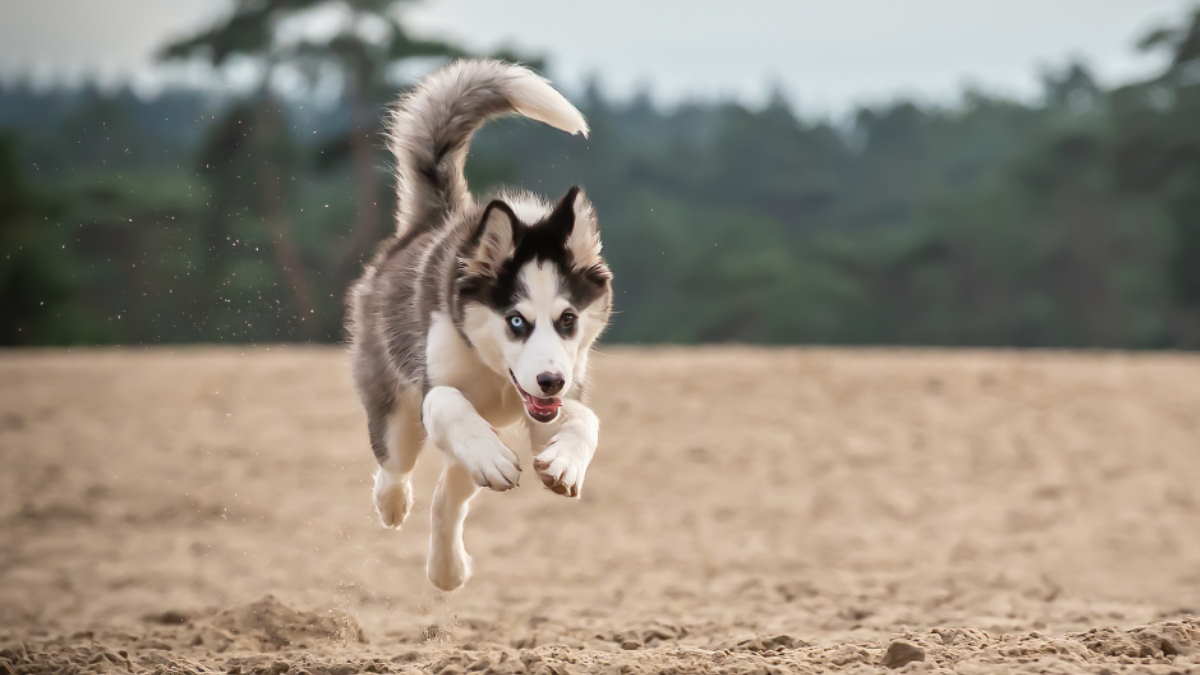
551,383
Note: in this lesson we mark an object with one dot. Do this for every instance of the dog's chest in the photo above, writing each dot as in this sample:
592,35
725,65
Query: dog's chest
451,362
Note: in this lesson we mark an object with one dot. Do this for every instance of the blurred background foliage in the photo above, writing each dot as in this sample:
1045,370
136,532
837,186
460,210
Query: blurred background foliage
201,215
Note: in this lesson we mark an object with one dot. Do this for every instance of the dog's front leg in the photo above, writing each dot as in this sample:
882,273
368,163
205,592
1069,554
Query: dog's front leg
454,425
563,449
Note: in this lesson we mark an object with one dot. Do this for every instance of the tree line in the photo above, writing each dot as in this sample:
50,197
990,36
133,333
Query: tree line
198,215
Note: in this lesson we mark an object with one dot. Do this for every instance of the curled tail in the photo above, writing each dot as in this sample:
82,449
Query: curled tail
430,128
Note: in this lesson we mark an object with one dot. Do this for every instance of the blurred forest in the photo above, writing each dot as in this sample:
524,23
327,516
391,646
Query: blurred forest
209,215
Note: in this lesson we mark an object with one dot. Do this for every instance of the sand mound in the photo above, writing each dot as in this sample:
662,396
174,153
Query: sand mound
1157,641
269,625
264,636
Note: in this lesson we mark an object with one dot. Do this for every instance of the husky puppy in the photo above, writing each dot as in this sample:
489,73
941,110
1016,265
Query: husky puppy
476,315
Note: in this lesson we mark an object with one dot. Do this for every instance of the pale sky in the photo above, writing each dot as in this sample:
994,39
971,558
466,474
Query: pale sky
826,55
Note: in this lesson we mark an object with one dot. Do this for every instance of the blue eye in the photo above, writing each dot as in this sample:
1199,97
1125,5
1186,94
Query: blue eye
516,322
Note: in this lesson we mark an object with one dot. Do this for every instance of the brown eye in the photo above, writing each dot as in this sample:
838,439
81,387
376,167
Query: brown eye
566,322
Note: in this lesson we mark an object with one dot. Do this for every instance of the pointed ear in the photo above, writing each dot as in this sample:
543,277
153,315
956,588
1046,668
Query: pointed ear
576,218
494,238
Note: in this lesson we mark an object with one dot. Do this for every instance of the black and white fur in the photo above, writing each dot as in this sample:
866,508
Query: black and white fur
476,315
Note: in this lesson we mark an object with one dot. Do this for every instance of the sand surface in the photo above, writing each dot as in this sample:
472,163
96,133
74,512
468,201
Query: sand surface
208,510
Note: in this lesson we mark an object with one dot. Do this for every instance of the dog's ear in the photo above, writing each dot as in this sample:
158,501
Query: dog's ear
575,220
494,238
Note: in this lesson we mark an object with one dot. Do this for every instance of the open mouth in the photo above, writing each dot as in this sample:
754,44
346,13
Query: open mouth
539,409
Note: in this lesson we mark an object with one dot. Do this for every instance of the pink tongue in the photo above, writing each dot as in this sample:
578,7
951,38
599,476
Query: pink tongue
544,405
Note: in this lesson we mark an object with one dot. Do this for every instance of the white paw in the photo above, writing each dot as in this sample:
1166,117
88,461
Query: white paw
490,462
448,569
562,466
393,498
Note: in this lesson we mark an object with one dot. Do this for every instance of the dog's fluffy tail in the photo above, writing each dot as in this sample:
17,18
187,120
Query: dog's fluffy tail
429,130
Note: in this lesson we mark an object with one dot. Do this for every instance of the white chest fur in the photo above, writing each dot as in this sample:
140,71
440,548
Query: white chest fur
451,361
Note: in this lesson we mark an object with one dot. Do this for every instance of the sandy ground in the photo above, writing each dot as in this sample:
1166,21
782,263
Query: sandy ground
749,510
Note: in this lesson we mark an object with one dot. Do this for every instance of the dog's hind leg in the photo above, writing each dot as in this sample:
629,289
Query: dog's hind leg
397,437
449,565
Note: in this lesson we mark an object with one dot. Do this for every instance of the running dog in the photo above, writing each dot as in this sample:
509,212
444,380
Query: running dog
475,315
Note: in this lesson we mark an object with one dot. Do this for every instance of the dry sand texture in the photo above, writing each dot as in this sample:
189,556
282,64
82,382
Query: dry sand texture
749,510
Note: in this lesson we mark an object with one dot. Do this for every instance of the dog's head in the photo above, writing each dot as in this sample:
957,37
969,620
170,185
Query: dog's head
532,297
